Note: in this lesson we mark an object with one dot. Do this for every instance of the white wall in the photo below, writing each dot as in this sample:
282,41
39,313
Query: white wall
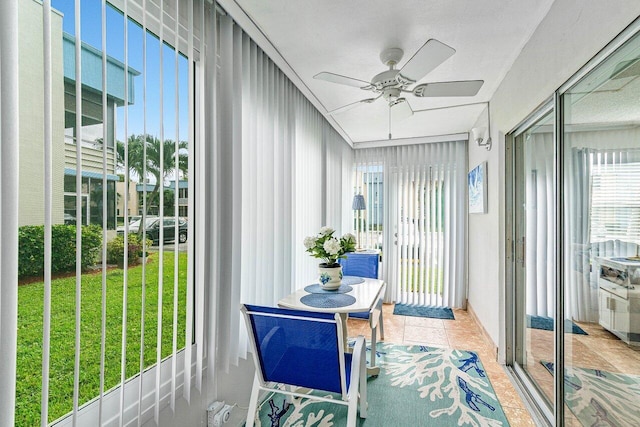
233,387
572,33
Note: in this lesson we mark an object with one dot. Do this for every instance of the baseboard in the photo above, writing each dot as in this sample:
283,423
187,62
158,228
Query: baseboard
483,331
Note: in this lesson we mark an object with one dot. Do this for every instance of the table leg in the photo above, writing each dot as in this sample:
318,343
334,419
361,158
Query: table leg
345,344
372,369
373,322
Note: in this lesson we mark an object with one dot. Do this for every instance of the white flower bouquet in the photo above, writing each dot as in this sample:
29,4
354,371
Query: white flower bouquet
329,248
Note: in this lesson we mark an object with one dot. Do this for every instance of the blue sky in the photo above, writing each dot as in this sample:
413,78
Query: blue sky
91,33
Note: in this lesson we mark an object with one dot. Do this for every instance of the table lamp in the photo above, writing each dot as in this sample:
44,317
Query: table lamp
358,205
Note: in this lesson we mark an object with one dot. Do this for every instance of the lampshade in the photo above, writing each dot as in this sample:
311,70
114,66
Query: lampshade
358,203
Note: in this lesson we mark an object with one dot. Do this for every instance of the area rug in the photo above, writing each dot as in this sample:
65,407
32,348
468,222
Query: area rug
417,386
424,311
601,398
546,323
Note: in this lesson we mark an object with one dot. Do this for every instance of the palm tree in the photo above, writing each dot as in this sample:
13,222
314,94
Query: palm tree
136,147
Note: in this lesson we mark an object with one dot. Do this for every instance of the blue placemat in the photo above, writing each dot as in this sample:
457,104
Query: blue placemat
351,280
328,300
317,289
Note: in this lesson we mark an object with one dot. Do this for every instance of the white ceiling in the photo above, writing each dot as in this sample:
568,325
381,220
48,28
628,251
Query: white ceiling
346,37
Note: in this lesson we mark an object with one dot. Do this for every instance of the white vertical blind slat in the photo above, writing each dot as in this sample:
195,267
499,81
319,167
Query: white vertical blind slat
79,217
48,190
223,201
176,205
143,296
213,136
125,280
103,305
161,229
9,163
206,213
188,339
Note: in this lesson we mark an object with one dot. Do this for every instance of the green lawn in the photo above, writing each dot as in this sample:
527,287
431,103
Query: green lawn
30,307
423,279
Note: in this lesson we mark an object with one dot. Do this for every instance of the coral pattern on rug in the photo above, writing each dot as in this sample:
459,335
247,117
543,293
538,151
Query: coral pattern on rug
417,385
601,398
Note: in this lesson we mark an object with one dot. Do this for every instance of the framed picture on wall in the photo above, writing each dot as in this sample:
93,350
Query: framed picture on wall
477,182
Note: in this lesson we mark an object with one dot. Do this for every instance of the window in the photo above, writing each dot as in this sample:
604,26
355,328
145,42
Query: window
615,208
126,287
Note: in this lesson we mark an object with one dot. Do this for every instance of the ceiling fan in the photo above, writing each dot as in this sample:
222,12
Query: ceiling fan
392,84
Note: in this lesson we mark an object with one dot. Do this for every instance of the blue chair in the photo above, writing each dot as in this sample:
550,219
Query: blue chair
305,349
363,264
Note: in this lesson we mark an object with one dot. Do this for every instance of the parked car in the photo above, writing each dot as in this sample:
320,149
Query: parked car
153,230
134,226
69,219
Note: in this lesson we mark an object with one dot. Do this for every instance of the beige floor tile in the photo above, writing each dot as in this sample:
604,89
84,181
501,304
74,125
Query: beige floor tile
457,324
427,336
518,417
507,395
424,322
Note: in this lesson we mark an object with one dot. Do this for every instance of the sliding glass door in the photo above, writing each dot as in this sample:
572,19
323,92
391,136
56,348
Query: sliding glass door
534,251
573,239
601,162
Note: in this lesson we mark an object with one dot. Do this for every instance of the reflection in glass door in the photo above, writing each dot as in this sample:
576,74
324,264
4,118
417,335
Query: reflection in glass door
601,148
535,266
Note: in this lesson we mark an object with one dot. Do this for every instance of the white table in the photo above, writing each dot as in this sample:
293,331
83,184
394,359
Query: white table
366,294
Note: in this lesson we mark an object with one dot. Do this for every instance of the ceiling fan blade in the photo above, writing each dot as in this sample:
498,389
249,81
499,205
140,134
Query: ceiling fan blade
426,59
462,88
400,110
343,80
352,105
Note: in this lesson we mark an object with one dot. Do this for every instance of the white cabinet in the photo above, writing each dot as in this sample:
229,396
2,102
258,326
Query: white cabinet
619,298
614,312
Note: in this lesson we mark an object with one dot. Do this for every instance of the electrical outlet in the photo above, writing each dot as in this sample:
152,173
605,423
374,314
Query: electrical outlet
213,411
222,416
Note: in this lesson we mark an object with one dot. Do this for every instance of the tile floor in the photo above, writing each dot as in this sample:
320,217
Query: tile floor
463,333
600,349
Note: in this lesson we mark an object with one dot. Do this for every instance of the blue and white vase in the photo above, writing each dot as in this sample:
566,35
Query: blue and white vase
330,276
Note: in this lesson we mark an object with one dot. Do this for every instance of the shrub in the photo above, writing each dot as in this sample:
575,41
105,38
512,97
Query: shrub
115,249
63,248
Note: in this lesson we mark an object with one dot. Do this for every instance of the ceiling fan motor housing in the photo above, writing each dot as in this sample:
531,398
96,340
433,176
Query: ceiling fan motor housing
391,56
384,79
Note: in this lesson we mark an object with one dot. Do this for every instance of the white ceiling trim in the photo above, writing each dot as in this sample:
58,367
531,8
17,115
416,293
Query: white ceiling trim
258,36
463,136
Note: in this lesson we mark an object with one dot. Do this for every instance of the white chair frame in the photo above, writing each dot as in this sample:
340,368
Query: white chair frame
354,398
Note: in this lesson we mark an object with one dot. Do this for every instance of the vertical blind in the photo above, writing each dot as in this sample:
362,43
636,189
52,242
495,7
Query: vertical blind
416,206
280,178
102,49
540,231
264,169
602,209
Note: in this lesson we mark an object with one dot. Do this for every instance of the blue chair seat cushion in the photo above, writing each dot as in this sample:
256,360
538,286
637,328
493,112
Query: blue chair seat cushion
320,372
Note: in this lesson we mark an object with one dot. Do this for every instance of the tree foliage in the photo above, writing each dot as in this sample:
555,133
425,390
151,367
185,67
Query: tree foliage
144,158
